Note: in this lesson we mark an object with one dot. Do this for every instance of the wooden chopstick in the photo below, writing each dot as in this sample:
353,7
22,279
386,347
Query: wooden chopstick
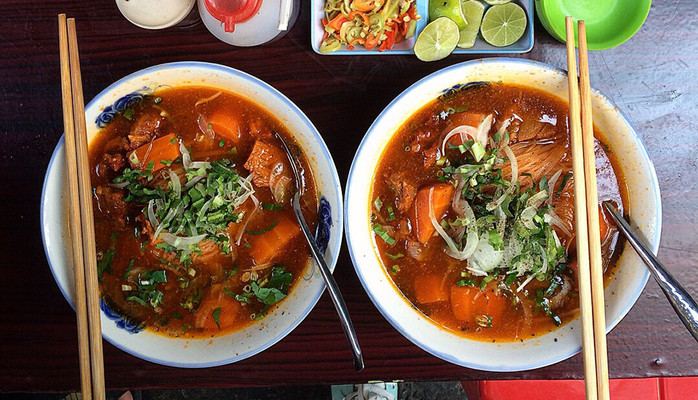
580,216
82,225
75,227
592,199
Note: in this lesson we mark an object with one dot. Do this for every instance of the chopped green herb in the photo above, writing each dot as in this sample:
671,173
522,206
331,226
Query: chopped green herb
128,269
272,206
265,230
157,100
230,272
378,229
128,113
176,315
247,245
378,203
565,178
465,282
104,265
221,143
395,269
486,280
185,327
166,163
216,316
229,292
391,213
510,279
396,256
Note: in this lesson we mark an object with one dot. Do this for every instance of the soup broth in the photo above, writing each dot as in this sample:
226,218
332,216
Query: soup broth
195,230
484,254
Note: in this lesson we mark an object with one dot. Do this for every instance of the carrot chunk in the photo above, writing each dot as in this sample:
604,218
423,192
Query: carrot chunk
215,299
440,199
268,244
262,160
469,302
162,149
430,289
226,124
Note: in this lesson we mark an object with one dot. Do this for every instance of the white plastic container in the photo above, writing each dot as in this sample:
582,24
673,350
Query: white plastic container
272,21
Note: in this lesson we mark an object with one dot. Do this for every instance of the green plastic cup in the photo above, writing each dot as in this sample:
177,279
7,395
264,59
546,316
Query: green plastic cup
608,22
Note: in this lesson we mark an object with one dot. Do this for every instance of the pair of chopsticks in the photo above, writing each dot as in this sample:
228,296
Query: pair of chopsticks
591,288
81,216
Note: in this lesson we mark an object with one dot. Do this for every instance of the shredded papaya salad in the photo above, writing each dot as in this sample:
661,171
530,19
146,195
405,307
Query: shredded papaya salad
370,23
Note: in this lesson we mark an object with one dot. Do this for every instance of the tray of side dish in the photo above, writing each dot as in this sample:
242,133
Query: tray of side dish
339,17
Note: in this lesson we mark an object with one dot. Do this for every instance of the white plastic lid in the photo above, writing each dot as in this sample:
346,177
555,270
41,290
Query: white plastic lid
155,14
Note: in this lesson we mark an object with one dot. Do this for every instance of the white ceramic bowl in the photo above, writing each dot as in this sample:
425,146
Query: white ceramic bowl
621,293
197,353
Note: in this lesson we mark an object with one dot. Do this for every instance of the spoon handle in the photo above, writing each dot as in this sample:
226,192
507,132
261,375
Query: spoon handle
680,300
332,287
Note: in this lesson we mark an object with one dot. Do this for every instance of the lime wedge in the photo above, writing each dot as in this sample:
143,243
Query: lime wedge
449,9
503,24
496,2
472,11
438,39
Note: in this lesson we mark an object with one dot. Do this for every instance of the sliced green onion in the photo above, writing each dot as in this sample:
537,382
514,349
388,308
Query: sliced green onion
378,229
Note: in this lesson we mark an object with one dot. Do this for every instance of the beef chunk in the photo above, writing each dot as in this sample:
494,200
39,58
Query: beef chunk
111,203
263,160
145,128
405,190
114,162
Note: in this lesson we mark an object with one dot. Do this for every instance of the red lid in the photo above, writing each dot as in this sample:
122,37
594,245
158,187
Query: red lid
231,12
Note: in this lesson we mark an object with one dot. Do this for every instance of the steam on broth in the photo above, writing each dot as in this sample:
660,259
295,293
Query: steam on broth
484,252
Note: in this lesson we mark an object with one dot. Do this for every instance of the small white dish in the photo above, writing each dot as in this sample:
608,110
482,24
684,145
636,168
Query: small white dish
197,353
155,14
628,281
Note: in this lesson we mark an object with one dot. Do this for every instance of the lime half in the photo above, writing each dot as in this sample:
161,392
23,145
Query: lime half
472,11
438,39
449,9
503,24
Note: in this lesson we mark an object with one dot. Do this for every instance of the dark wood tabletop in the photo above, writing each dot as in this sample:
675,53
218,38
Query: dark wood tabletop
653,78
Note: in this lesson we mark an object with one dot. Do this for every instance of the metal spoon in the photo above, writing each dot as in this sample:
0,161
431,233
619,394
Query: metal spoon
682,302
332,287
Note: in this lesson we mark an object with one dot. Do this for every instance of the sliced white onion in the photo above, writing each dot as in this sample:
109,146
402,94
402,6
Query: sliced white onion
514,165
193,182
249,217
181,242
176,184
200,164
151,215
119,185
207,99
205,128
501,131
537,199
483,129
485,258
552,218
523,285
186,157
527,217
459,130
551,185
471,242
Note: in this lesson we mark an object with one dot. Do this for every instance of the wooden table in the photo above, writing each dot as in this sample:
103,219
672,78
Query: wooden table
652,78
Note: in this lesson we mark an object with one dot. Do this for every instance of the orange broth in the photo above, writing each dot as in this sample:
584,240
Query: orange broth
423,272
